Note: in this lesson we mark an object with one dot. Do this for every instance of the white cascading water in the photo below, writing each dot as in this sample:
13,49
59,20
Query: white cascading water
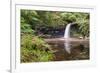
67,31
66,37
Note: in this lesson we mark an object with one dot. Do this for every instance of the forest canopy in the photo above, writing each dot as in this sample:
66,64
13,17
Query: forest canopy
32,21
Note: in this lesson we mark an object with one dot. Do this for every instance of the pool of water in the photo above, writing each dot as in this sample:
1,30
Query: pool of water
78,50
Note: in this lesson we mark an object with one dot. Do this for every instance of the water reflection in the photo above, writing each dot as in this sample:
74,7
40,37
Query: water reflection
67,46
70,50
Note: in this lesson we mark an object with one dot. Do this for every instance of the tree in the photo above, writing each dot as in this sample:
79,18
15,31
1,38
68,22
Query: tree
33,20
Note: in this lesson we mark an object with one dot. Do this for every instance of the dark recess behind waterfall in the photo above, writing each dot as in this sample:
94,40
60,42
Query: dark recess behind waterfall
51,32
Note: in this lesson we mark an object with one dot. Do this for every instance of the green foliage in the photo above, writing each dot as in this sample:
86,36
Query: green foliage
40,43
83,23
69,17
25,28
26,41
35,55
32,21
34,49
81,19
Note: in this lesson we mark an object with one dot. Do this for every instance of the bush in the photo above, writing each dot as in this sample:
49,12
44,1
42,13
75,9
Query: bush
34,49
40,43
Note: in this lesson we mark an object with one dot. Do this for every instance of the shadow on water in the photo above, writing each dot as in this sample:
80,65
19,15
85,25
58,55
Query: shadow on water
78,51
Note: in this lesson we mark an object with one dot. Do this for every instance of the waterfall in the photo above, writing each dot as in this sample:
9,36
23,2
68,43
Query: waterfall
66,36
67,31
